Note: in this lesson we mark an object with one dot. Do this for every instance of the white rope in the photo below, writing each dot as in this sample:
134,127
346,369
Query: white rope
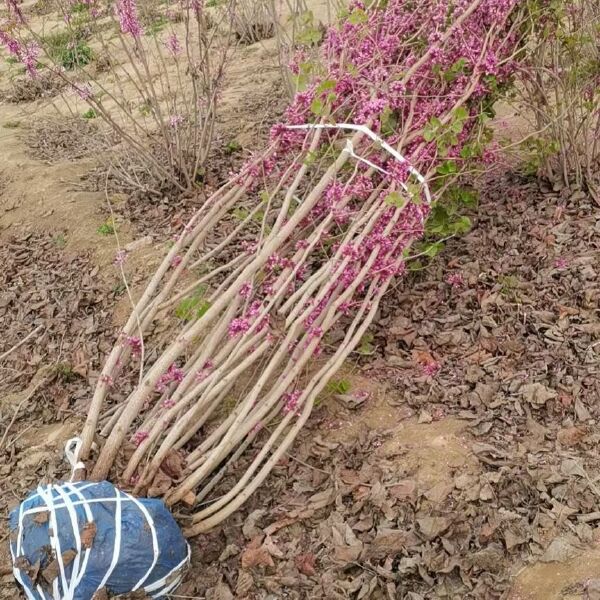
47,497
373,136
155,548
16,571
153,587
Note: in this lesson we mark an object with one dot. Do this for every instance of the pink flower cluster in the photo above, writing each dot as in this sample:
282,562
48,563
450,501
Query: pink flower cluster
27,54
139,437
173,374
173,44
396,70
128,18
290,400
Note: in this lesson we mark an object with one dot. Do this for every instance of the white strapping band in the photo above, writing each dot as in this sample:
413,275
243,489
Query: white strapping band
373,136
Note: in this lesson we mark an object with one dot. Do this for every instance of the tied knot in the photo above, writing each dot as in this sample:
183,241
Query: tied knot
72,450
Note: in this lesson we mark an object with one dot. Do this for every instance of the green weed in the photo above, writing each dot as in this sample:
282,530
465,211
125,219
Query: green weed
68,49
338,386
65,372
233,147
60,240
193,307
106,229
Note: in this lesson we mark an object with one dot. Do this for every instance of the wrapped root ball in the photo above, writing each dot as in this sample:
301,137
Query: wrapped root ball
84,541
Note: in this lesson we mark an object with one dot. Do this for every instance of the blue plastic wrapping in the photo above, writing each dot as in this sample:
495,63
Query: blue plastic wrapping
94,536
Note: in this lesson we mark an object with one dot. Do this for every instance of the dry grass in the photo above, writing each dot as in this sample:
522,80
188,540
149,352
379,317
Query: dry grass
26,89
58,139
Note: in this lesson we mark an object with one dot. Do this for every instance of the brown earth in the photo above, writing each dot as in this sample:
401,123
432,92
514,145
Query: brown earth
477,482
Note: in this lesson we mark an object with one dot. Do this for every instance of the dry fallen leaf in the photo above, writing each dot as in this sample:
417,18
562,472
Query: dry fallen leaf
537,394
51,572
432,527
172,465
256,557
305,563
88,533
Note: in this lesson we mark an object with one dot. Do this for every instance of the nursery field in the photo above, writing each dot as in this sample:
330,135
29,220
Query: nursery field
453,454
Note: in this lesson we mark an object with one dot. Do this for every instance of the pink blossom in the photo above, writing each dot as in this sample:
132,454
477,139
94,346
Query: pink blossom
246,290
107,379
83,90
14,10
173,44
431,368
128,18
27,54
120,257
456,280
175,121
139,437
135,343
173,375
238,327
291,401
561,263
248,247
204,372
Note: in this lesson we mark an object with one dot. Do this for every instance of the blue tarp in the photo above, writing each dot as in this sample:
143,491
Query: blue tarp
151,546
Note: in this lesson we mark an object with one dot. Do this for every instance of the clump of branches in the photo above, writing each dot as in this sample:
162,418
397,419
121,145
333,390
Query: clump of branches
313,232
159,82
25,89
561,88
252,20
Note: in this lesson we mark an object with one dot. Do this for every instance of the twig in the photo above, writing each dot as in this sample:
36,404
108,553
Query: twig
23,341
43,378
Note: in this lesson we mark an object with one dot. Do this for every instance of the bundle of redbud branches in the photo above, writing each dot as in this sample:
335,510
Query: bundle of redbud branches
304,240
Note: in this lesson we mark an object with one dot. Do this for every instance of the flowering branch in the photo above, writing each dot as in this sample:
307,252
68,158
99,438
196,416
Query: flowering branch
330,218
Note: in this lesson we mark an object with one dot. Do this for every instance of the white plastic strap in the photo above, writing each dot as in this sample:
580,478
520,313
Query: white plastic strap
157,585
48,498
72,450
16,571
69,587
373,136
155,548
117,543
350,150
89,519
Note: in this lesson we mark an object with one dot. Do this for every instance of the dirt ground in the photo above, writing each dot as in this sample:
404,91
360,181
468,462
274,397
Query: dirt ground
480,480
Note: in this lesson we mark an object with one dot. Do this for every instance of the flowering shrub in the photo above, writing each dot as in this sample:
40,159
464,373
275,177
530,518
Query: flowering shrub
377,136
561,88
159,95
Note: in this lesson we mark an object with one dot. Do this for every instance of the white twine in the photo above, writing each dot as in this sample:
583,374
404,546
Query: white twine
373,136
60,497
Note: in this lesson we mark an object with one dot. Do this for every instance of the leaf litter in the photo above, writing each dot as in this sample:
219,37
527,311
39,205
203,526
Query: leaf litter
518,346
358,516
